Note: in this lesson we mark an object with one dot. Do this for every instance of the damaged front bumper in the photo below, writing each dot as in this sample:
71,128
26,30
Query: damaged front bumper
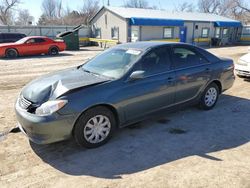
44,129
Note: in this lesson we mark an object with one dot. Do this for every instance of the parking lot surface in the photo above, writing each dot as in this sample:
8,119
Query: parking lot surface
212,151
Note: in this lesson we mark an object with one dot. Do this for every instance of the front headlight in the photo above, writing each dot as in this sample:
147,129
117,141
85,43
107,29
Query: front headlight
50,107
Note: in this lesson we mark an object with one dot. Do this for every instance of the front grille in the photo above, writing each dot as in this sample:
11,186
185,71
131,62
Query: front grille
24,103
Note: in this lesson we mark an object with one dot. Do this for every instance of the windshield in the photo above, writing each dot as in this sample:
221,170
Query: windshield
23,40
113,63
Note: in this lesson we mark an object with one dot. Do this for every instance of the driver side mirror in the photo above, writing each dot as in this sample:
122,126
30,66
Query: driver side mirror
136,75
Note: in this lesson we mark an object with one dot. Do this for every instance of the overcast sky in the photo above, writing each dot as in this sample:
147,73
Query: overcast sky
34,6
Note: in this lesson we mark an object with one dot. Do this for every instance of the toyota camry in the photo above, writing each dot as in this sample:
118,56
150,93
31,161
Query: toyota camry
120,86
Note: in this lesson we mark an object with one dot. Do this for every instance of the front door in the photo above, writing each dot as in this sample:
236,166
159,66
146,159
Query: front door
192,72
183,34
154,91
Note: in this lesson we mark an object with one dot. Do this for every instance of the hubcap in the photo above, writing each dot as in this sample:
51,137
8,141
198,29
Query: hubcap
54,51
211,96
11,53
97,129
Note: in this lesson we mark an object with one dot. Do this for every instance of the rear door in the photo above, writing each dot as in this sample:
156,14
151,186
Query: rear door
154,91
193,71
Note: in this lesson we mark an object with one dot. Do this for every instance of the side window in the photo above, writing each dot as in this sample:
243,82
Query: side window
225,32
39,40
115,32
217,32
98,32
156,61
185,57
168,32
204,32
30,41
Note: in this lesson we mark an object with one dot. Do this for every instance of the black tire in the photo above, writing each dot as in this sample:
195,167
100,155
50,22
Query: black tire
204,100
53,51
240,76
81,128
11,53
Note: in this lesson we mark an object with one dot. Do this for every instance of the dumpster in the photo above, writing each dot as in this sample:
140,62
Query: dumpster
71,38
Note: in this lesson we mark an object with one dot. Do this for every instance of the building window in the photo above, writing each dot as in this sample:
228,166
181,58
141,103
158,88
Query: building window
225,32
106,19
168,32
98,32
217,32
204,32
115,32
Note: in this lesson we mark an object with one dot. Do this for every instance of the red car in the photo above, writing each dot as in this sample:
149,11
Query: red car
31,46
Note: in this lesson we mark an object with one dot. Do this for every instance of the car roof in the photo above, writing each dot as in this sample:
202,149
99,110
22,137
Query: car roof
12,33
33,37
148,44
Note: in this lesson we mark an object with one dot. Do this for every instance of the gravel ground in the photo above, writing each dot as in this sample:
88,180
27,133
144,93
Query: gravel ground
212,151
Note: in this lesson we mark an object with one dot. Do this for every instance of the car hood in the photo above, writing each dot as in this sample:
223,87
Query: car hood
246,58
54,85
7,44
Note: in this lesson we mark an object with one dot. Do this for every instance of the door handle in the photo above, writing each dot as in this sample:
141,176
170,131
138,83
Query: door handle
170,79
207,70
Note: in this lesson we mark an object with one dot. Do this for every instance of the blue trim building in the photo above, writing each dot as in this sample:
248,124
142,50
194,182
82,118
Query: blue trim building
132,24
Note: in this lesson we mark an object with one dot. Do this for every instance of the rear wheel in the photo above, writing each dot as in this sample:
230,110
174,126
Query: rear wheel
94,127
53,51
11,53
209,97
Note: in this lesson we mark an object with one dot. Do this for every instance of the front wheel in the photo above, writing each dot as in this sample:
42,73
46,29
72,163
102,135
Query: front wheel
209,97
94,127
11,53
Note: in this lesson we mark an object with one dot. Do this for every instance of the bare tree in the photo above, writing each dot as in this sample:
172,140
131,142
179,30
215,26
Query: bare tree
241,4
236,9
53,12
185,7
241,11
49,8
6,10
73,18
24,18
209,6
89,9
136,4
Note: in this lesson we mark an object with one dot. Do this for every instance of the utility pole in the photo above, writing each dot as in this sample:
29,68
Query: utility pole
108,3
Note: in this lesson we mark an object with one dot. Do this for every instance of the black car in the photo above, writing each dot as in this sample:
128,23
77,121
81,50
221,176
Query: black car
11,37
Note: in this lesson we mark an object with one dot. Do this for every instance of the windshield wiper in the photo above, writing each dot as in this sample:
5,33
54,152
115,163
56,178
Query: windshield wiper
90,72
96,74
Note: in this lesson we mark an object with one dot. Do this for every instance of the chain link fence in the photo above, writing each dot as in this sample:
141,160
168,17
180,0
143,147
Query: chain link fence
49,31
